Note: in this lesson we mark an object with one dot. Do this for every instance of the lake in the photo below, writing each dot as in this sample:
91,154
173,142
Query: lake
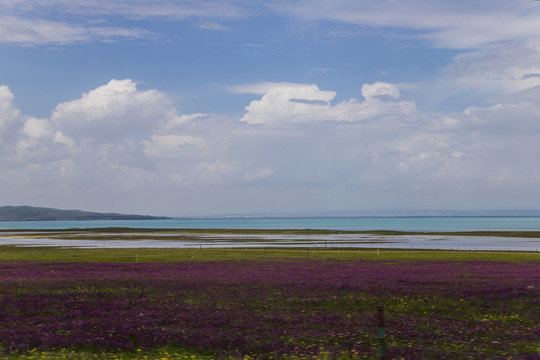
182,240
438,223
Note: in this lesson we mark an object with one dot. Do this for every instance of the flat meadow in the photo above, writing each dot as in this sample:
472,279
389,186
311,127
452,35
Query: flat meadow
268,304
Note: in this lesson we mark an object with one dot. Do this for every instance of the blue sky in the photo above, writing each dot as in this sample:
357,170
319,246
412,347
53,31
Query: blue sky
245,107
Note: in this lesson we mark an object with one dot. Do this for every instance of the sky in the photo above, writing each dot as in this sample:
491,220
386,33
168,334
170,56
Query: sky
209,107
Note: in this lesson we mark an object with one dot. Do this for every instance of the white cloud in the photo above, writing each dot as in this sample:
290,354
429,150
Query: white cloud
38,31
287,103
170,146
496,70
38,138
35,130
59,21
258,174
33,23
180,120
300,103
211,25
128,8
380,89
113,110
63,139
263,88
163,8
450,24
9,114
166,162
216,172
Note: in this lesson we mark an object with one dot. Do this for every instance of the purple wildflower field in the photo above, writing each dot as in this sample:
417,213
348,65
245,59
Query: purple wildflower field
275,308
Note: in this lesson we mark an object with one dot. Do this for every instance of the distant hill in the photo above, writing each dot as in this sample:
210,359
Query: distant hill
30,213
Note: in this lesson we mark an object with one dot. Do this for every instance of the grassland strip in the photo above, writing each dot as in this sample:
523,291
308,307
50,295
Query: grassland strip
15,253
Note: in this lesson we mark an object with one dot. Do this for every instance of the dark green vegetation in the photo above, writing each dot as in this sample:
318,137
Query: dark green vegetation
29,213
280,305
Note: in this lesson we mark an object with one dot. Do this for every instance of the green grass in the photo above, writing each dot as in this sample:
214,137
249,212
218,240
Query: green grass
14,253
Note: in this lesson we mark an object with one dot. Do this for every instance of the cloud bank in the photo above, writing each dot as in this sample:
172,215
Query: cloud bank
294,149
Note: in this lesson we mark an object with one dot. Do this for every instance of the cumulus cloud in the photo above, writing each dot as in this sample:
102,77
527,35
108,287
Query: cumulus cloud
186,164
288,102
34,130
484,147
59,137
380,89
498,40
113,110
37,128
299,103
178,121
168,146
263,88
108,121
9,114
108,125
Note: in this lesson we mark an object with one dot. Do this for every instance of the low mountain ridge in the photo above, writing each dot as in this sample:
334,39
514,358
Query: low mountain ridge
31,213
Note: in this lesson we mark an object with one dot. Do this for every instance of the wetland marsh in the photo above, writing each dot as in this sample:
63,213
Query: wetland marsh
256,238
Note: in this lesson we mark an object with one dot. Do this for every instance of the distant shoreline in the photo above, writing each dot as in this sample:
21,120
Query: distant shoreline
31,213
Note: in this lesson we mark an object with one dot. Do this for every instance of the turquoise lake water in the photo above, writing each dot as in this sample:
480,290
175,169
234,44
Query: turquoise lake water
333,223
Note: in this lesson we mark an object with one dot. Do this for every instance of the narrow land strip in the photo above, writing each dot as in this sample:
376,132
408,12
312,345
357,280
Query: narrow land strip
16,253
122,230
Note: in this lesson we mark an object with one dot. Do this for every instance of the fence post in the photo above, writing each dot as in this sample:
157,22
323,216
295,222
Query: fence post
380,330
